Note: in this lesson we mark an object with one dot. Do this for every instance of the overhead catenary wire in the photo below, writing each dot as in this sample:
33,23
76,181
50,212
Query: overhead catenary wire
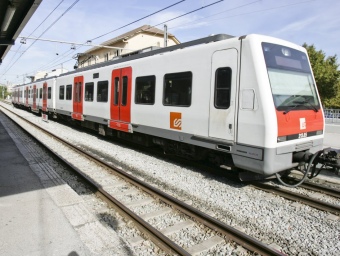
149,15
228,10
210,21
203,7
139,19
177,17
53,23
242,14
198,9
36,29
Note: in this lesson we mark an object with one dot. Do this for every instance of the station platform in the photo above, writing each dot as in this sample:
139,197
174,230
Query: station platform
31,223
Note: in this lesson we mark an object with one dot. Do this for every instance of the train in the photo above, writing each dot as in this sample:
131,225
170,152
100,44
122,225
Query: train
248,103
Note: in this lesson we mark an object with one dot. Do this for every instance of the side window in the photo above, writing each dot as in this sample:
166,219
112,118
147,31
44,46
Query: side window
62,92
40,93
145,90
124,90
69,92
49,92
102,91
89,91
222,88
177,89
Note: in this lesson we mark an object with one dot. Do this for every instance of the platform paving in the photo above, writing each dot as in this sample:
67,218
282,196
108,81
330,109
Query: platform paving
332,136
30,221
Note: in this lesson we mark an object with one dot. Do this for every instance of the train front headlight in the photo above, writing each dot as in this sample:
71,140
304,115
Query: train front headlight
281,138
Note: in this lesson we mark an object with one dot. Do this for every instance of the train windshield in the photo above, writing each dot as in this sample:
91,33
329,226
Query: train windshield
290,78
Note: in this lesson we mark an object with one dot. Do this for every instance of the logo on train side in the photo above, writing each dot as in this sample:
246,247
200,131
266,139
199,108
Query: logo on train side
176,120
302,123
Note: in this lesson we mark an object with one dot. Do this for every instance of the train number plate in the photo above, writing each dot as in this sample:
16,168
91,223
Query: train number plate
302,135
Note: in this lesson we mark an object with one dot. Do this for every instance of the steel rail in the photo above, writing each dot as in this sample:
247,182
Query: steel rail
156,236
230,232
315,203
321,188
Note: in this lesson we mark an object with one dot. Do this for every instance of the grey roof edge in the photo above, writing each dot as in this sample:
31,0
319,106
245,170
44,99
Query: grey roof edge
36,81
204,40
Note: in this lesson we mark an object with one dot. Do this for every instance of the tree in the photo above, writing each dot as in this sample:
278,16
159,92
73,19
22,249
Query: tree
3,91
327,76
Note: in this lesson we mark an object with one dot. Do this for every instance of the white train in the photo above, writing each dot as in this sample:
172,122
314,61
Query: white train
249,102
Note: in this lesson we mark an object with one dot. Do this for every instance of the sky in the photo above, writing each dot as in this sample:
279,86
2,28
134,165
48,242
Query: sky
314,22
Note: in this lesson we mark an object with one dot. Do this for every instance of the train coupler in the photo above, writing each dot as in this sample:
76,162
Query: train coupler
326,159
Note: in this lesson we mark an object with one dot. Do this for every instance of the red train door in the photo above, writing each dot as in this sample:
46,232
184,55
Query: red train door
34,107
44,105
26,97
78,98
120,104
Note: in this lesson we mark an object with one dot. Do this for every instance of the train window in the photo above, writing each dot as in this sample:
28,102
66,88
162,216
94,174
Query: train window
102,93
44,93
40,93
62,92
77,92
116,92
222,88
177,89
69,92
124,90
49,90
145,90
89,91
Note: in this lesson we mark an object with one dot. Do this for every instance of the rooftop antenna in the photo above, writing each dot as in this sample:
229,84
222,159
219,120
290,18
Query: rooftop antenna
165,35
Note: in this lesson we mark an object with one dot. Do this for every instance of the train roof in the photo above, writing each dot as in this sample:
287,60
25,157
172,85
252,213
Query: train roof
150,51
36,81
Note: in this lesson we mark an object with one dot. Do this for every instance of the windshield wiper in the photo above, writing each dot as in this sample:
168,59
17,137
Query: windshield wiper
313,106
293,107
301,103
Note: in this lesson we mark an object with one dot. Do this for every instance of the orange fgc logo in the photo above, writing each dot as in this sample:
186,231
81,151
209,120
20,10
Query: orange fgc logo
176,120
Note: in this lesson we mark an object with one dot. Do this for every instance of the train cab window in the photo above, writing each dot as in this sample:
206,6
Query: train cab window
124,90
62,92
145,90
102,91
69,92
89,91
222,88
49,90
40,93
177,89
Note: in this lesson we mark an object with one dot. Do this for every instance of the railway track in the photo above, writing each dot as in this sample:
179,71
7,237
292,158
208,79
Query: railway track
313,202
321,188
221,233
